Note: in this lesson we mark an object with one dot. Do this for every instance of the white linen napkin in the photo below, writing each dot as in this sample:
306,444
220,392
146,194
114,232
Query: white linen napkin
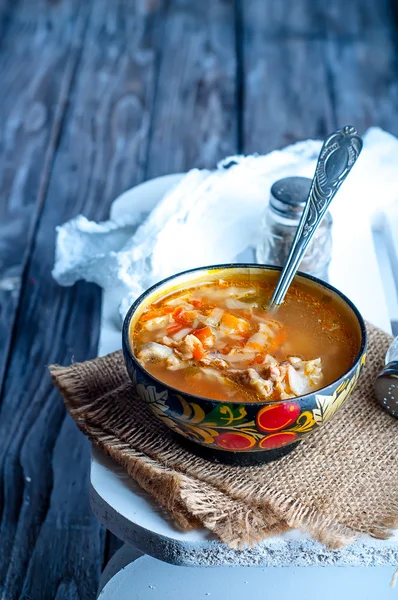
211,217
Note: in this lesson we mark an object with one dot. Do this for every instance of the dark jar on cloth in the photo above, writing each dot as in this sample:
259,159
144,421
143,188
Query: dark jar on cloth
287,200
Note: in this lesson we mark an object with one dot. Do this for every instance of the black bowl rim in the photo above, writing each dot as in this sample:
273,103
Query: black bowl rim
141,298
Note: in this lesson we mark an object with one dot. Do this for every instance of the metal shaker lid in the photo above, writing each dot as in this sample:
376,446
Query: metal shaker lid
288,195
386,388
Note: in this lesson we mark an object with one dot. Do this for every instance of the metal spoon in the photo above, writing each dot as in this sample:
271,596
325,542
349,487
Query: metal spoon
338,155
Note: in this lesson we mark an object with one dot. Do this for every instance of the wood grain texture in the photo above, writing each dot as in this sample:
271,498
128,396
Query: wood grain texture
316,19
195,118
363,68
364,89
38,51
52,545
312,66
286,82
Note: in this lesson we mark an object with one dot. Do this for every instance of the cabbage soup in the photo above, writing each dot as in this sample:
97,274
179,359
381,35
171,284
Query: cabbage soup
216,339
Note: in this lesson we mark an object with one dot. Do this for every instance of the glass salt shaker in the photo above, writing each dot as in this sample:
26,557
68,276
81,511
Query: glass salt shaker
287,200
386,384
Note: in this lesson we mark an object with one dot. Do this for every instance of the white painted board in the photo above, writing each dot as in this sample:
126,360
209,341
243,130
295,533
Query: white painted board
148,579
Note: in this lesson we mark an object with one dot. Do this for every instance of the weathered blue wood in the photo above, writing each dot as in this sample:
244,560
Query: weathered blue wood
312,66
196,109
39,49
51,544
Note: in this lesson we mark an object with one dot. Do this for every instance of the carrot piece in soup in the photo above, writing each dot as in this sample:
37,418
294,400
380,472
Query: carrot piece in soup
151,314
278,341
258,359
156,312
197,303
253,345
234,323
185,317
205,335
175,328
198,352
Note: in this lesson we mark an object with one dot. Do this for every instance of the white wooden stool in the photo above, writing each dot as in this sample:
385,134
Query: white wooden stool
140,570
129,513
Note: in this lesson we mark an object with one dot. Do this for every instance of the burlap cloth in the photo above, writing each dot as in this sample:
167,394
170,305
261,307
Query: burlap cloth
338,484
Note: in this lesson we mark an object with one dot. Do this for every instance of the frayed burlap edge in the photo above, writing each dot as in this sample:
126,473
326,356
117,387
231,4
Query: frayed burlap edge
190,502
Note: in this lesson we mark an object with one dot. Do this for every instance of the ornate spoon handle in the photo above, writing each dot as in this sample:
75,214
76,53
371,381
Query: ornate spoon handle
338,154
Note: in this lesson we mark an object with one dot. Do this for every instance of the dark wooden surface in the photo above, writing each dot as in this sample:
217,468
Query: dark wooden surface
98,96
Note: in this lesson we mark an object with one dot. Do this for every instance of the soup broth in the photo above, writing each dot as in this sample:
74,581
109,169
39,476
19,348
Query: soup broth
218,340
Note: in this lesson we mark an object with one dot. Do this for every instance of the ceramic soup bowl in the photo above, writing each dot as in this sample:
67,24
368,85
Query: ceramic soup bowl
231,432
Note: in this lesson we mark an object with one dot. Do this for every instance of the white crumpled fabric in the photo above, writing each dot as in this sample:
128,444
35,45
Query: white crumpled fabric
211,217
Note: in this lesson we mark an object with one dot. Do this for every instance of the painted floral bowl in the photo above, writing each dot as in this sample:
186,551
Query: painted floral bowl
232,432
